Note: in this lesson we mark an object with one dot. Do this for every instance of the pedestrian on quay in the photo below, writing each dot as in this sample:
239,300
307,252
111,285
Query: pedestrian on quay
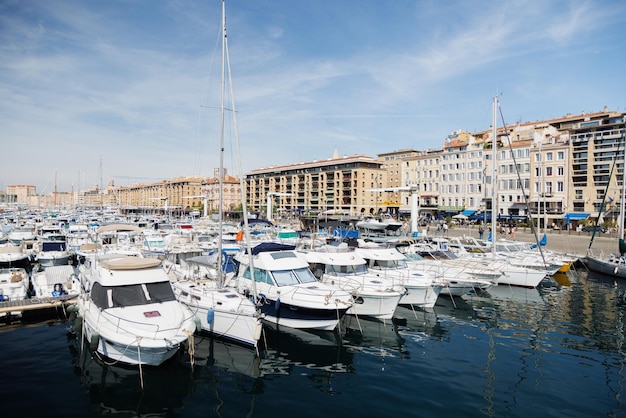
481,231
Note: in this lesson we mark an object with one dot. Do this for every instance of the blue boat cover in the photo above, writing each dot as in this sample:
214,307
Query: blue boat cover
271,246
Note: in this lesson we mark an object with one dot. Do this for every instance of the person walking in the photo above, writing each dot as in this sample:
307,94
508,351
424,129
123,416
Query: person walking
481,231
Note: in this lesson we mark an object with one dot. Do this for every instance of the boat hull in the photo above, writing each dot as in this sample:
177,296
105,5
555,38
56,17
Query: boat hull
380,305
300,317
422,296
612,266
224,314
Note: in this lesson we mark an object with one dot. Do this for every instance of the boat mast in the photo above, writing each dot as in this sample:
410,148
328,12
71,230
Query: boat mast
242,185
221,165
494,199
620,223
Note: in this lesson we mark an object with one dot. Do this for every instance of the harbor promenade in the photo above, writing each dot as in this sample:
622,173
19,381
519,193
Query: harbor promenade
564,242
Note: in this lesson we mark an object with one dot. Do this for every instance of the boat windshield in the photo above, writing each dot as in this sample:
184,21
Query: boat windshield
131,295
346,270
389,264
293,277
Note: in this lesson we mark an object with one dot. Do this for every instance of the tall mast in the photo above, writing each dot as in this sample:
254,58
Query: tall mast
221,169
494,200
620,223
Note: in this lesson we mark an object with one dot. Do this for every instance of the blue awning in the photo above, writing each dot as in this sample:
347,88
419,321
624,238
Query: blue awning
481,216
468,212
575,216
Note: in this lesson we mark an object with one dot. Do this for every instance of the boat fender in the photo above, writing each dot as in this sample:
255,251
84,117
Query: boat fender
78,324
94,341
277,306
72,309
198,323
210,316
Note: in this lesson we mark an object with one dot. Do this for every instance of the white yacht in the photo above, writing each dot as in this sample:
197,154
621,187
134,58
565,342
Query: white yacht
422,288
286,290
131,315
374,296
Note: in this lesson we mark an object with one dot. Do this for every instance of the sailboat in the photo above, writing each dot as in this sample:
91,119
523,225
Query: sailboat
512,275
202,287
613,264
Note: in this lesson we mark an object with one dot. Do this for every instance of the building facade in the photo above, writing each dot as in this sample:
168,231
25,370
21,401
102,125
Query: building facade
336,185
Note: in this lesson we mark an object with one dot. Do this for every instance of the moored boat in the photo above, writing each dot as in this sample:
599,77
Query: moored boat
131,315
287,291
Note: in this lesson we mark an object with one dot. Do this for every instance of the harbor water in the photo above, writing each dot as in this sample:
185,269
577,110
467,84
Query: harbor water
555,351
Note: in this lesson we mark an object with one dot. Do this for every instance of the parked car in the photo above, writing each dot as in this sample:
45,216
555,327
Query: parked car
592,228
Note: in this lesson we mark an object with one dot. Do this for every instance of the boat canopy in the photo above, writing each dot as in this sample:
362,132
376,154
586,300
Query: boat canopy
271,246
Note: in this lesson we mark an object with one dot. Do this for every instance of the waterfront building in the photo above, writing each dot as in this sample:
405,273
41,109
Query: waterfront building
21,193
461,174
420,174
338,185
393,164
557,172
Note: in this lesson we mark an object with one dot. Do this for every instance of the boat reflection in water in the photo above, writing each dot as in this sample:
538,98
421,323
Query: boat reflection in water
129,391
285,349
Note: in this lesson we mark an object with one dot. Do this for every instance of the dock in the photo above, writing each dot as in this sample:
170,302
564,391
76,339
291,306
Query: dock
35,304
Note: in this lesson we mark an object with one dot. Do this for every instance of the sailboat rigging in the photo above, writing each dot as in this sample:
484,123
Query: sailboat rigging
614,264
220,308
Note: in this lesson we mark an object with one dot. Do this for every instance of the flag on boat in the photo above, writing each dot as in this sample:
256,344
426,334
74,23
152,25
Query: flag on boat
543,242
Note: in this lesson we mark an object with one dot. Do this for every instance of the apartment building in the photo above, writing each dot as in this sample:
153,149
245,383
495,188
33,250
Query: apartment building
393,164
420,175
462,165
348,185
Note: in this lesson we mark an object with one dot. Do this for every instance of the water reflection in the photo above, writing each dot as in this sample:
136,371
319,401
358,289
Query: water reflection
284,349
128,391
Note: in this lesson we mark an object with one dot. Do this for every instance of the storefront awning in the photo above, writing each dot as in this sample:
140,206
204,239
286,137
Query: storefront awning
468,212
575,216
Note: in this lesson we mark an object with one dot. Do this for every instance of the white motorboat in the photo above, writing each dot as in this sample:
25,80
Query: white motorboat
14,256
222,311
56,281
287,291
19,234
422,288
14,284
131,315
53,253
374,296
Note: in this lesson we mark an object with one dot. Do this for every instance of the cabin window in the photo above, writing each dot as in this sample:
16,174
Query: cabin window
285,277
132,295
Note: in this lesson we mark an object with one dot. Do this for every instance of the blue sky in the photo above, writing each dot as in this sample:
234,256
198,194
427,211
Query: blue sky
92,91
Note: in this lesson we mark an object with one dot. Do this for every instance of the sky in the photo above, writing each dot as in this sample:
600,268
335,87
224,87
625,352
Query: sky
129,91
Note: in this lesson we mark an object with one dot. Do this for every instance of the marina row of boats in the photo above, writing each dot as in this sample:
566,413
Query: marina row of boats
143,290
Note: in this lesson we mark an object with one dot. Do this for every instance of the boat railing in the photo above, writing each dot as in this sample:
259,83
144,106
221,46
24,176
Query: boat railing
138,328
